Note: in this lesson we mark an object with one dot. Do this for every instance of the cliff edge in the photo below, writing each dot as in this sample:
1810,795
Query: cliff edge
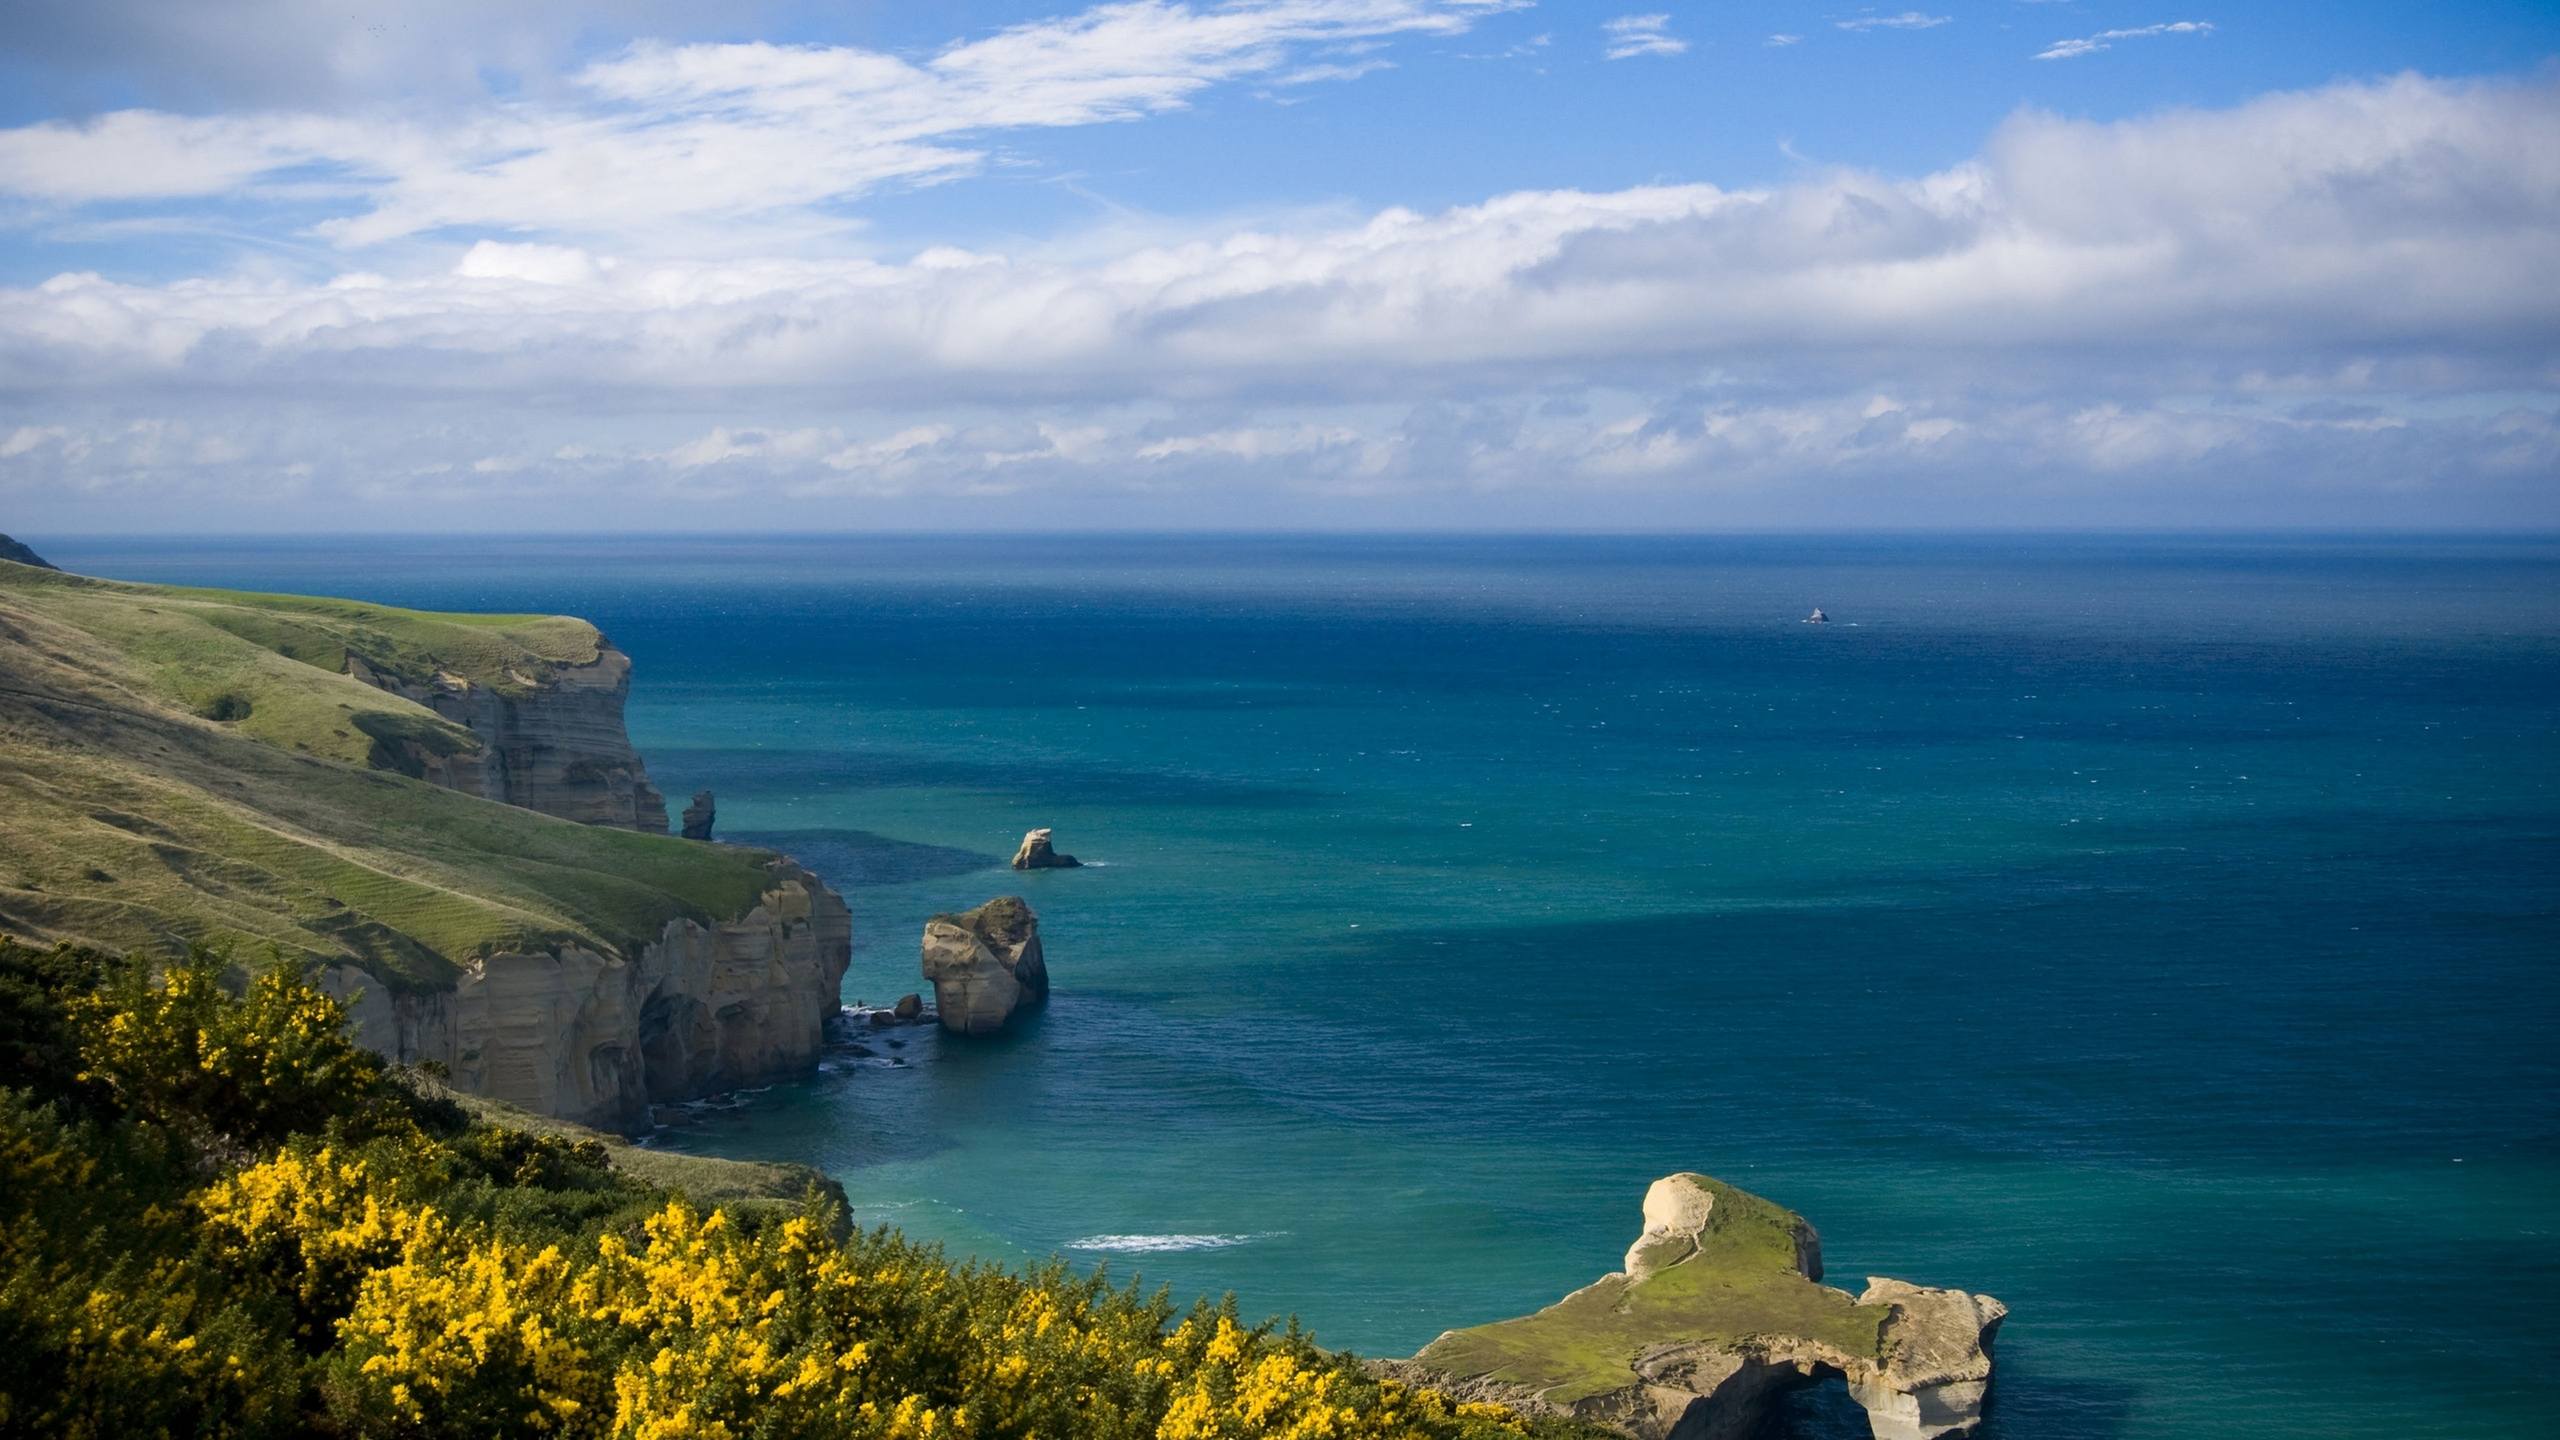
256,772
1719,1310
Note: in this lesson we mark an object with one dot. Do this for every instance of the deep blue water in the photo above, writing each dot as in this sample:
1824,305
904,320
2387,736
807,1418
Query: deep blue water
2159,934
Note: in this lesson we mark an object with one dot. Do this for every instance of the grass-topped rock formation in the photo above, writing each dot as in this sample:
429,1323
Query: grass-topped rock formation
1718,1310
183,767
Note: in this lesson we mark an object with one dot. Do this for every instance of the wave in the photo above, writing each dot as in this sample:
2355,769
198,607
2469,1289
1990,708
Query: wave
1161,1244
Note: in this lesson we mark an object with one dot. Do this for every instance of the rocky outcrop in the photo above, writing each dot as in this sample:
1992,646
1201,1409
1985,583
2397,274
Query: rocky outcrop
11,550
1035,853
1719,1311
985,965
551,741
598,1038
699,815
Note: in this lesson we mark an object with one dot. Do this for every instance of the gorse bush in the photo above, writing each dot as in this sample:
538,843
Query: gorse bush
219,1217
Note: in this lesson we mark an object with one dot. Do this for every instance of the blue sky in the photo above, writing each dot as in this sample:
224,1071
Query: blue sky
1303,263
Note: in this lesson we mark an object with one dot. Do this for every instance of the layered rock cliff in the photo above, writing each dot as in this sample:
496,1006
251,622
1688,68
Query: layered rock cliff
551,739
590,1036
182,767
1719,1311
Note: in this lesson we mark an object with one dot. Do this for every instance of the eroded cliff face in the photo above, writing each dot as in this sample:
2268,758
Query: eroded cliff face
552,742
1719,1310
599,1038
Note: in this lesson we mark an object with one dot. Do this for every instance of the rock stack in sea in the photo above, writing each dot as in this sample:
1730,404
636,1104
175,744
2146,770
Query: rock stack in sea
985,965
1036,853
699,816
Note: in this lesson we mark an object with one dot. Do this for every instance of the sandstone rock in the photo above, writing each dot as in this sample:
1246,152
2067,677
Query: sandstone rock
699,815
11,550
1718,1311
985,965
554,744
909,1007
602,1038
1035,854
1938,1368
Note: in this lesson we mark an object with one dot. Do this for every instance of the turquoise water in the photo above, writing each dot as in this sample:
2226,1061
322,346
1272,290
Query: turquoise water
2158,934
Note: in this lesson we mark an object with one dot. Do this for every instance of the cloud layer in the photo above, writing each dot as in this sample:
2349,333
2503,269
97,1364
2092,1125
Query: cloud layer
663,141
2329,306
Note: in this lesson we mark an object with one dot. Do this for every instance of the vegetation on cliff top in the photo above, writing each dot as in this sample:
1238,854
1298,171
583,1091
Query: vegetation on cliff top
1741,1282
185,767
218,1218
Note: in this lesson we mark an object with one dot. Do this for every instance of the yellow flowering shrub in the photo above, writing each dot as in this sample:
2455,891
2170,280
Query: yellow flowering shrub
180,1050
229,1222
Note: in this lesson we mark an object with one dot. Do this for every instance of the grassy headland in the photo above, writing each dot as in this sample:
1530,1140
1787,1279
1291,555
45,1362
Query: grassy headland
1742,1282
183,767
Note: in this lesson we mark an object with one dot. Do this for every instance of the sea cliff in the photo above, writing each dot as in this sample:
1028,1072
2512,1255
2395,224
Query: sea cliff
441,815
550,735
591,1035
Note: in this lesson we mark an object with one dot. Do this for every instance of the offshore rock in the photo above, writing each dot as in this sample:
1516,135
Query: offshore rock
11,550
1718,1312
603,1038
985,965
909,1007
1035,854
553,740
699,815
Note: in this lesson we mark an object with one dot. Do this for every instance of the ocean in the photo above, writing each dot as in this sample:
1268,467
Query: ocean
2159,933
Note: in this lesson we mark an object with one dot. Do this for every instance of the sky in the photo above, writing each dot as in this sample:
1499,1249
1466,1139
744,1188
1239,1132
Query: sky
509,265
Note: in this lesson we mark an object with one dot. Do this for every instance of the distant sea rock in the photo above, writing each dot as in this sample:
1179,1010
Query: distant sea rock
985,965
1036,854
699,815
1720,1310
12,550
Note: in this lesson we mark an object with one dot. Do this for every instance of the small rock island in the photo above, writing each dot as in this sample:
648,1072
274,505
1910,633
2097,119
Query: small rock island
700,816
1720,1310
1035,853
985,965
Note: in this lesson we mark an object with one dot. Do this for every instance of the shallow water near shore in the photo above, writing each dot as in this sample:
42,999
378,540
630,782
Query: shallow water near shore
2158,934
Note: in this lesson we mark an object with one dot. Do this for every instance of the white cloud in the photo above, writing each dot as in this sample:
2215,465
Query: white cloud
1630,36
1776,42
658,134
2105,39
2401,216
2348,282
1906,20
541,264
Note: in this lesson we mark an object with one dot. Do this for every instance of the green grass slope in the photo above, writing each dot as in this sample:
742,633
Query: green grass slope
1741,1284
194,766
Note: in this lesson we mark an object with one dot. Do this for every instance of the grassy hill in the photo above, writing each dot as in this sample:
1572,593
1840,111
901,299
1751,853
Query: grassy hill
181,766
